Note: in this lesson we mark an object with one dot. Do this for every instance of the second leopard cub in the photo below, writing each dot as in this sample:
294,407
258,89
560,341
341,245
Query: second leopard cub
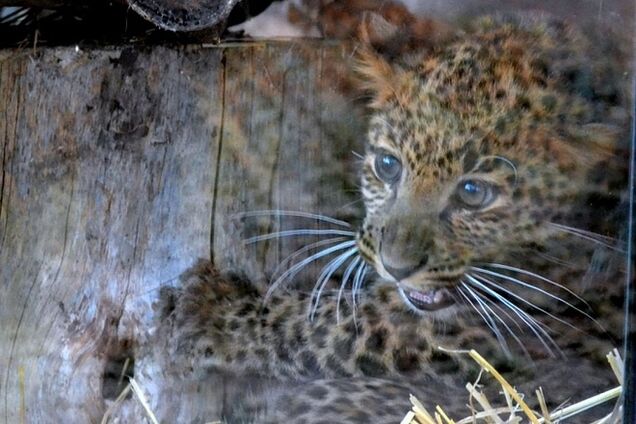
491,161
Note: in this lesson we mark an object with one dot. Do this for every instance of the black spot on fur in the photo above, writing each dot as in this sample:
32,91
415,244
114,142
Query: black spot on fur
343,347
245,309
500,125
262,353
167,301
523,103
377,341
281,347
219,324
383,296
469,156
345,309
298,407
360,416
370,366
317,393
405,361
319,336
371,312
350,327
299,336
420,344
309,363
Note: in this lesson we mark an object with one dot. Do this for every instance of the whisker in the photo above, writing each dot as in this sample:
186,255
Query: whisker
503,311
527,302
486,317
324,277
357,282
531,274
590,236
356,154
354,263
533,287
291,272
584,232
299,214
499,308
346,205
385,122
554,259
535,326
305,249
299,232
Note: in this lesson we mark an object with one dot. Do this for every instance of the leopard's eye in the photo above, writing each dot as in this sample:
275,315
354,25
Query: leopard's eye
475,193
388,168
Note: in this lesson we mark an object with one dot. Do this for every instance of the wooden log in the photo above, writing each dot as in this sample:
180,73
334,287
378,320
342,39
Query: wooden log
121,167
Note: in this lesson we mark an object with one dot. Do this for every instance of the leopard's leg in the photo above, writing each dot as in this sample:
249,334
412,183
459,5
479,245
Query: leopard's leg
214,322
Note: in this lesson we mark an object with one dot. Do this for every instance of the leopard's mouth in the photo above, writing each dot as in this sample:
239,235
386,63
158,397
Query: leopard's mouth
427,300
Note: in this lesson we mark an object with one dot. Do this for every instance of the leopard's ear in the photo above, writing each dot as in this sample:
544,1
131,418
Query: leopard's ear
389,47
585,145
599,140
376,75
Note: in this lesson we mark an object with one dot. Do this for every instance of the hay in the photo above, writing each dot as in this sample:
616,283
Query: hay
515,407
516,410
139,395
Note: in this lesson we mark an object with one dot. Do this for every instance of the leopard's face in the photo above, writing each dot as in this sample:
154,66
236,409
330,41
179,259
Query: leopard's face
469,162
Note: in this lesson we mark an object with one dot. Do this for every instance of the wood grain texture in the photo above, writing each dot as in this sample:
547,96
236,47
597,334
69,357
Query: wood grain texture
121,167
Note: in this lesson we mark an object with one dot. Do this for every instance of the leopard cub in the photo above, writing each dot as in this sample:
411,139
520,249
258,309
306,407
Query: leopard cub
492,159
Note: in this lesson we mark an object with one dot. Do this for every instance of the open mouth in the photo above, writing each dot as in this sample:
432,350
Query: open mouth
429,300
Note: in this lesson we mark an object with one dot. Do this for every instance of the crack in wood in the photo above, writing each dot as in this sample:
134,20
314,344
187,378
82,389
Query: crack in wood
51,298
275,165
217,170
13,343
65,238
4,159
131,266
2,183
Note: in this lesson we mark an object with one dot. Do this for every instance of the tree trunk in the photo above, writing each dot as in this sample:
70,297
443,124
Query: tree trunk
119,168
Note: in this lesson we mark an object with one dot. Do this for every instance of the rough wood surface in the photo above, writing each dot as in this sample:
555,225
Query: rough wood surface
121,167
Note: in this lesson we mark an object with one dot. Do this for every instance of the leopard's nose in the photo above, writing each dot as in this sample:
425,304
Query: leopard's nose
405,246
405,270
